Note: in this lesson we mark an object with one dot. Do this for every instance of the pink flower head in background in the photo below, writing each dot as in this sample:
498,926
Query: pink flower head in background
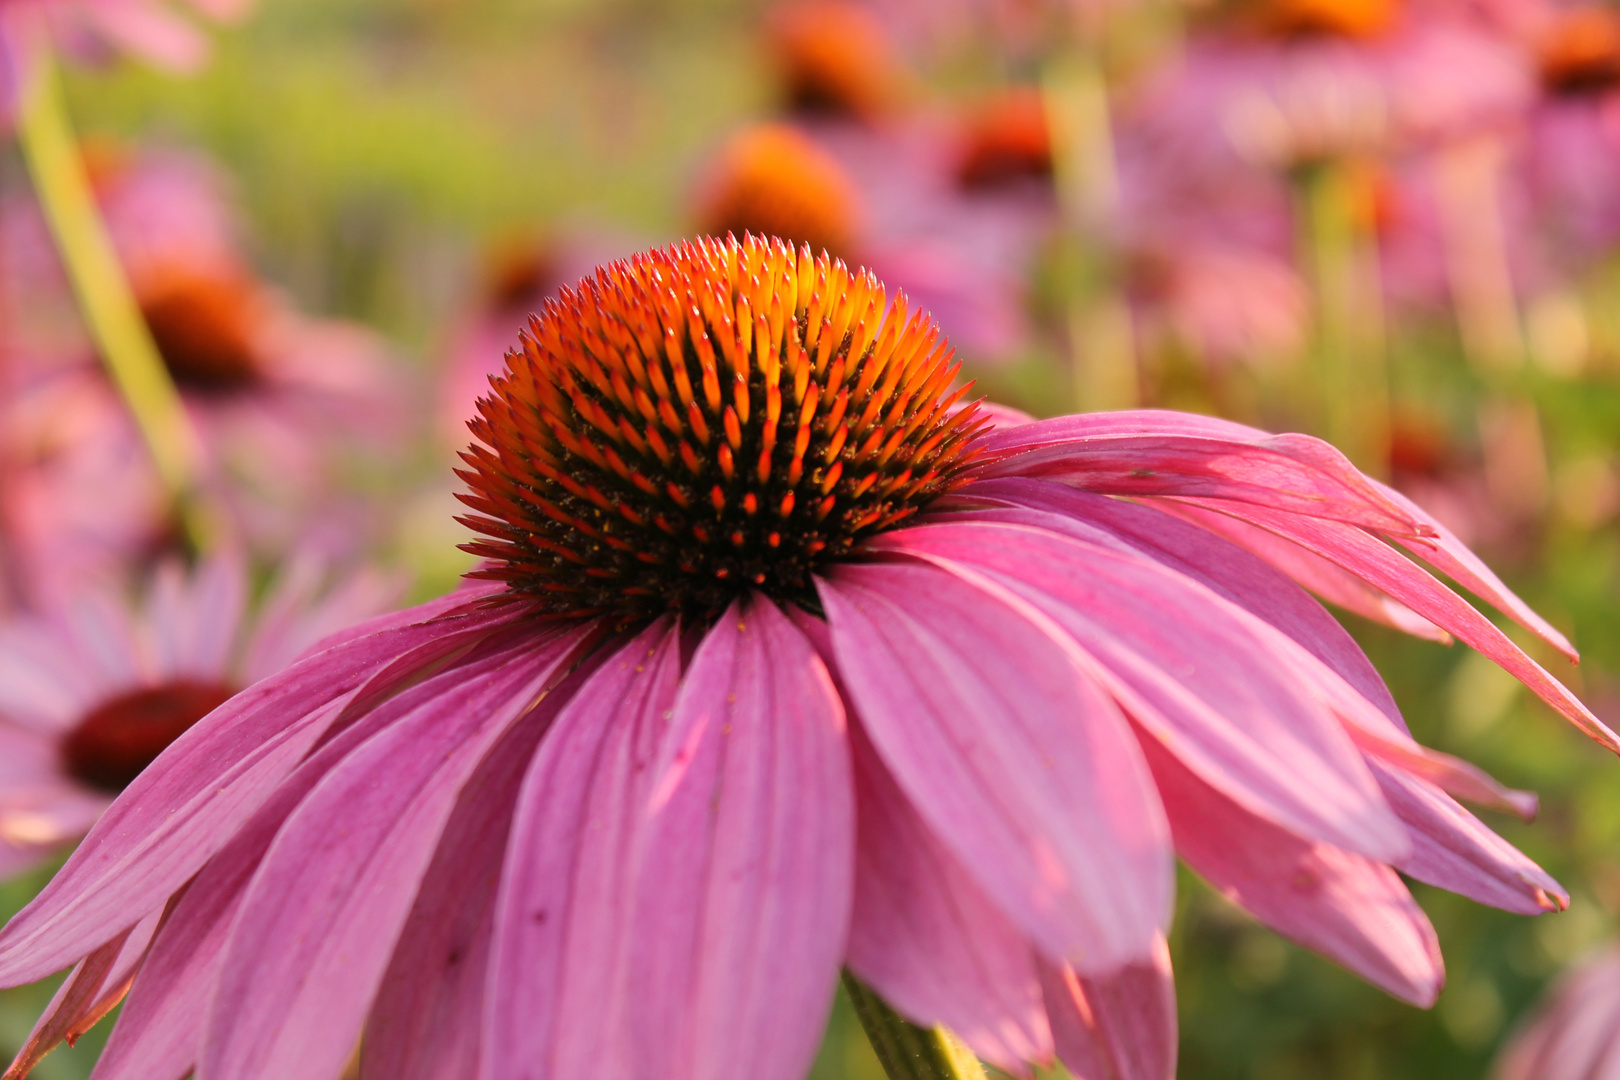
283,402
150,29
92,689
1574,1034
781,660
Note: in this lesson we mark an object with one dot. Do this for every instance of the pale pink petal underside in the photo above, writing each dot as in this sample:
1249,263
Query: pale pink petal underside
927,939
326,906
1349,908
983,712
1120,1026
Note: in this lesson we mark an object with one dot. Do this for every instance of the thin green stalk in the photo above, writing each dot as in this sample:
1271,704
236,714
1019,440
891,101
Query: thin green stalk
907,1051
104,294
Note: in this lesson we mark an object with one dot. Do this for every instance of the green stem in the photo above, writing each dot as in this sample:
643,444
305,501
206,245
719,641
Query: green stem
907,1051
104,294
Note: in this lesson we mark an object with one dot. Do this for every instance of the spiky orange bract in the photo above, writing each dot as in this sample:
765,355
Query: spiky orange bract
708,419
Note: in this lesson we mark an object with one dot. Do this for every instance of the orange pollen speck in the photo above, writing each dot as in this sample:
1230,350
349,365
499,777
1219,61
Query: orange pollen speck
773,180
1580,54
587,520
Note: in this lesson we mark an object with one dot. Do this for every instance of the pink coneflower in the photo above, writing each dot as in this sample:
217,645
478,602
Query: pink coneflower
94,688
782,661
1572,1033
284,403
150,29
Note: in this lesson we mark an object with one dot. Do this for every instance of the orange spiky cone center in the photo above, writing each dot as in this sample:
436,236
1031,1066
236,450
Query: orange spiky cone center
1005,139
1355,19
205,322
1581,52
834,59
773,180
706,420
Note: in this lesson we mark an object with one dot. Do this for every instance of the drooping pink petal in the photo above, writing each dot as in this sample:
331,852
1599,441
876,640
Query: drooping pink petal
192,798
676,896
76,997
320,919
1150,452
151,32
748,864
1352,910
1572,1033
1198,672
559,974
1454,850
1120,1026
1451,556
427,1020
160,1030
1323,577
986,716
927,939
1231,569
1378,563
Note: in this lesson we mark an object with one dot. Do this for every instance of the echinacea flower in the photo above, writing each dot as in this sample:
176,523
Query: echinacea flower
95,687
283,402
782,659
833,58
150,29
1574,1033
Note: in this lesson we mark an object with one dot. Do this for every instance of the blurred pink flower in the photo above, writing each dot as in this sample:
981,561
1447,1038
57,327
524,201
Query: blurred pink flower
150,29
1570,164
95,687
724,718
1574,1034
283,402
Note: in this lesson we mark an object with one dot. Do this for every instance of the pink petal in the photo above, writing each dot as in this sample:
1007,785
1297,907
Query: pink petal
984,713
559,971
1385,568
428,1019
1148,452
1572,1033
677,890
1350,909
1198,672
736,962
1230,569
1451,556
106,968
1326,579
1454,850
927,939
151,32
325,908
180,811
160,1030
1120,1026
